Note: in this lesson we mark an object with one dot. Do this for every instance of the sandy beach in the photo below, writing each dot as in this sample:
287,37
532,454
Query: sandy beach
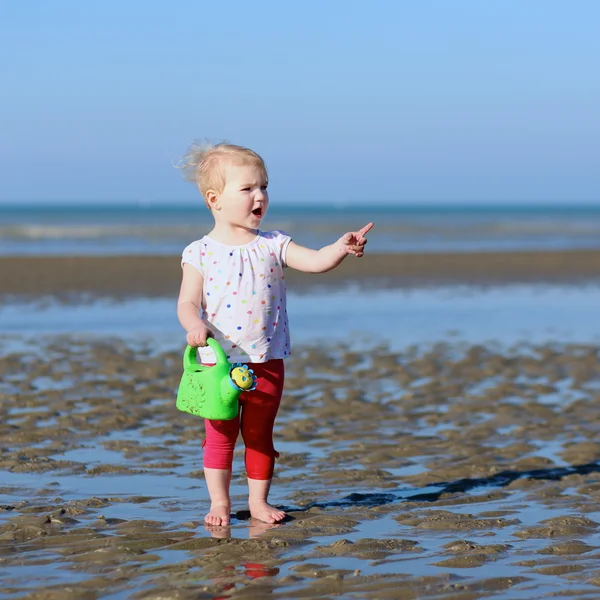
421,466
160,275
431,474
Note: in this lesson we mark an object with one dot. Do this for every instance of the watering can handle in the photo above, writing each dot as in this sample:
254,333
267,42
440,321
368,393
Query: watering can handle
190,361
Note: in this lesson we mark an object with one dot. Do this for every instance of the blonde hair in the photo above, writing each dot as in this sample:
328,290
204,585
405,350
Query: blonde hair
203,163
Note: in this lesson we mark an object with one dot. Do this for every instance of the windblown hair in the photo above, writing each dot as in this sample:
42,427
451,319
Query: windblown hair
203,163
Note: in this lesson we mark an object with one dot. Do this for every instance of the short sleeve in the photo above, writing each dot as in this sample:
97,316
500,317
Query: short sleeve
279,241
191,255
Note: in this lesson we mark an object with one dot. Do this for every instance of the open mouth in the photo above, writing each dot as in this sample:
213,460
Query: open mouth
257,212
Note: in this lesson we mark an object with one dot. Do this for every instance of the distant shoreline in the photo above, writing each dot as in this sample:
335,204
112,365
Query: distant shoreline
159,276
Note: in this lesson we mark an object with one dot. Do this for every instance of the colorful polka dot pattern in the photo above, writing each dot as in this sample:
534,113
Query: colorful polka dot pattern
244,296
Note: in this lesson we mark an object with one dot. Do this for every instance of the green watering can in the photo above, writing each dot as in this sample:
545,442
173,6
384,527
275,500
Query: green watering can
213,392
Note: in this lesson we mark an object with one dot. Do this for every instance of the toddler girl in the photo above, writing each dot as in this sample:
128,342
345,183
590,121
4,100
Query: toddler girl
233,289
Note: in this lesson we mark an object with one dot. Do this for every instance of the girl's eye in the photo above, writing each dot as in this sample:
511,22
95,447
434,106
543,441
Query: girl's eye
263,187
246,189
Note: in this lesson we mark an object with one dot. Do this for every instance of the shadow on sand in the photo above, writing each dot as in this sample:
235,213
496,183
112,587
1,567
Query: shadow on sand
436,490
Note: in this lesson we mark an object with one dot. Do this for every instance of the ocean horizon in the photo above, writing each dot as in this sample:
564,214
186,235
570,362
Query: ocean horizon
63,228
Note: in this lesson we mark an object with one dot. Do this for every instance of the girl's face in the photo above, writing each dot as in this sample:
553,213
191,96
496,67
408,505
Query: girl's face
244,199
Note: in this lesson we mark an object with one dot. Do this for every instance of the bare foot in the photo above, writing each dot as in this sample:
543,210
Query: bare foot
218,515
265,512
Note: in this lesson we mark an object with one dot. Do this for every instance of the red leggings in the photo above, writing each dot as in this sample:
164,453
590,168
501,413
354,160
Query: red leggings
255,420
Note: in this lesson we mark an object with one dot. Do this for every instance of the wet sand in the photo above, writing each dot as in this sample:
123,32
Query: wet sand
160,275
452,472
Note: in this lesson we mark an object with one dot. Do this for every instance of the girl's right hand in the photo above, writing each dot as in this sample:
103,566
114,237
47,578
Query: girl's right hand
197,337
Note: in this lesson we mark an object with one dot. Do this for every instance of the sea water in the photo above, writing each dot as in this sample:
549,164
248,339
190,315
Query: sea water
115,229
508,314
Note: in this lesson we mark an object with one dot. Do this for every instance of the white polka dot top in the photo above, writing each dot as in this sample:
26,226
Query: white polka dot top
244,296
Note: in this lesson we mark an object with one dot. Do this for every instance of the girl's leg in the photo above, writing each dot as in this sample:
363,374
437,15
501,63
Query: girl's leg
258,492
259,409
218,481
218,456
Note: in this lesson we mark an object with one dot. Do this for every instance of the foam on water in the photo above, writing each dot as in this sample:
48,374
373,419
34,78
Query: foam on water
120,229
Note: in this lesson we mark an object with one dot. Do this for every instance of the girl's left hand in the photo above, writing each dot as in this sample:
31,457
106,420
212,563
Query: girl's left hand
354,242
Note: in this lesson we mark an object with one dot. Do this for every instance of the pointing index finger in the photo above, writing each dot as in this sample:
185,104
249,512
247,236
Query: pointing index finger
366,229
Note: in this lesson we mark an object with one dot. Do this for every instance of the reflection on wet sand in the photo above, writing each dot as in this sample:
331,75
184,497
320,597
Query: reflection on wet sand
255,529
449,471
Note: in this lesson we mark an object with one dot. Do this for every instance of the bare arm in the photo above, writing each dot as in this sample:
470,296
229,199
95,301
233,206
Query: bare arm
189,305
327,258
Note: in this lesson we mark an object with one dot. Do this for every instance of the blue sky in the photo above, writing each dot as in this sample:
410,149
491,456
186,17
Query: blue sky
392,101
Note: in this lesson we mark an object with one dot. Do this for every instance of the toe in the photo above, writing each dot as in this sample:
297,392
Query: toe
212,519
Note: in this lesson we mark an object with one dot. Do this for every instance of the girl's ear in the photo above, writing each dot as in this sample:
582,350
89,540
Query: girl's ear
212,200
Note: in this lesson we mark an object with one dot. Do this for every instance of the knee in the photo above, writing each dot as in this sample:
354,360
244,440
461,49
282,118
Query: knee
222,433
257,439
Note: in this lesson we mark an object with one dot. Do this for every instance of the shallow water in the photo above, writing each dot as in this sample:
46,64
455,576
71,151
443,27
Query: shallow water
459,465
397,317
